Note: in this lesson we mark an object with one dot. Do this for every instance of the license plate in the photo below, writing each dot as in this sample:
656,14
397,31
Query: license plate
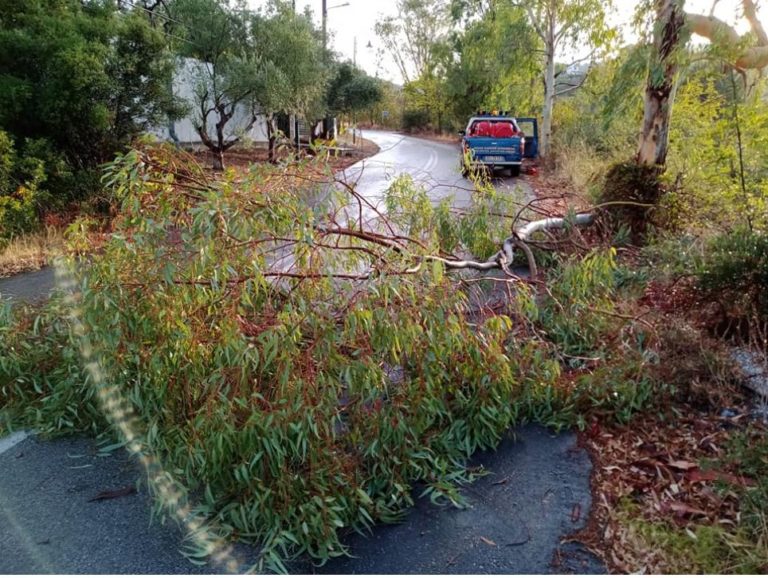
492,159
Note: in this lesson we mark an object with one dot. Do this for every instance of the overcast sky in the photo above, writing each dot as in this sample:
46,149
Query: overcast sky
358,18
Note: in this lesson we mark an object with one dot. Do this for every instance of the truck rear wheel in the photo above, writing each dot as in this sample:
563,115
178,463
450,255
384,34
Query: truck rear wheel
514,171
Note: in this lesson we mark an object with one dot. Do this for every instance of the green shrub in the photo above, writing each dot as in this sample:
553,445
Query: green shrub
18,213
415,119
735,268
20,194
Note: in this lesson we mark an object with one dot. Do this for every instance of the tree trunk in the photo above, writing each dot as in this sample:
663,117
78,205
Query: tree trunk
218,159
218,151
660,86
272,138
549,91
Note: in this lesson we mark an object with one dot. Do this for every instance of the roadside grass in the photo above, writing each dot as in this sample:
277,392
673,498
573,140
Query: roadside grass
682,489
30,252
665,548
580,168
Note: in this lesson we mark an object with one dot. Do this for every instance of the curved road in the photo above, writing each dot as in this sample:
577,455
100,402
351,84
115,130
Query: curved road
433,165
536,492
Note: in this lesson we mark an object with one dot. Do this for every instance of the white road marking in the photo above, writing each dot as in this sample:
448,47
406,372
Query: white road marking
432,163
15,438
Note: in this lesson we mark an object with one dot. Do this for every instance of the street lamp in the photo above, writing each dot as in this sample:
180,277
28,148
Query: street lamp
326,122
325,20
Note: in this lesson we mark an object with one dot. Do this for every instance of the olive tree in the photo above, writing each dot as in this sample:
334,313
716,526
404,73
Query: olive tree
222,66
291,74
352,90
248,65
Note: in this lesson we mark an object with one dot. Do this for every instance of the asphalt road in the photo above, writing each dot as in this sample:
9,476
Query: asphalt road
51,524
536,492
432,165
28,286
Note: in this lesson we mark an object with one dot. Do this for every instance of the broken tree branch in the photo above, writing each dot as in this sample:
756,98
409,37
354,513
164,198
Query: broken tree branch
715,30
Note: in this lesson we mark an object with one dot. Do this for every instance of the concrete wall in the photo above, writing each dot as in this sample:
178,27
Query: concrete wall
188,80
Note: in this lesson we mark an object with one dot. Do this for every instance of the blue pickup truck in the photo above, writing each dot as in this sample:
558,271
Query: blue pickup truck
496,139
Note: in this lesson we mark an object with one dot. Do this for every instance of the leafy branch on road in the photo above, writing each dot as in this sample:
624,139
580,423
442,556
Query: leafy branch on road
296,399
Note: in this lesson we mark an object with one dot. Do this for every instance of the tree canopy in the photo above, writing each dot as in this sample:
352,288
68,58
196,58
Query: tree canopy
85,77
352,90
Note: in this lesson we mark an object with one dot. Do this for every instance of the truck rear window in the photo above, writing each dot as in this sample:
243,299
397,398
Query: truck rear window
496,129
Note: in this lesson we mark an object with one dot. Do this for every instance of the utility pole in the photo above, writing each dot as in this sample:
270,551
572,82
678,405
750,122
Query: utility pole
325,27
325,58
296,135
354,114
326,120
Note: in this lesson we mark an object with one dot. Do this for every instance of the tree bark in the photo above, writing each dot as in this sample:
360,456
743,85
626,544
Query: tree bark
271,137
224,116
549,90
660,86
218,159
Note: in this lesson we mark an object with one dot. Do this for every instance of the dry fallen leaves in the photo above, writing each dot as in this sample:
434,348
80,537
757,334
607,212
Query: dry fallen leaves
661,469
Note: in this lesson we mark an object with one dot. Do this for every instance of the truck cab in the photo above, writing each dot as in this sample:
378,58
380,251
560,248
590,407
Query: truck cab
497,139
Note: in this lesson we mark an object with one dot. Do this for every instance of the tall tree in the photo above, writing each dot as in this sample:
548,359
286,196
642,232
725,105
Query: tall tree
497,63
417,39
84,76
672,28
564,24
414,37
660,86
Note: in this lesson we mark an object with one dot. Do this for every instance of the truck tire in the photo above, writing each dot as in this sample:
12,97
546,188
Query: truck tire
514,171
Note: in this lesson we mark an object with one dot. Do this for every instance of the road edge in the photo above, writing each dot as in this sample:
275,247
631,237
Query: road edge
9,442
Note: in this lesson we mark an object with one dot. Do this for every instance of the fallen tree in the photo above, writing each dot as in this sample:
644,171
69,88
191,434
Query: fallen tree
295,368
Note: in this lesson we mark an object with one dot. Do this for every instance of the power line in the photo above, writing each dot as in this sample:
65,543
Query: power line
153,13
169,19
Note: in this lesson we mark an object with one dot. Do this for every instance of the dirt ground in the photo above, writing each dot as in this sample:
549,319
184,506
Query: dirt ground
340,157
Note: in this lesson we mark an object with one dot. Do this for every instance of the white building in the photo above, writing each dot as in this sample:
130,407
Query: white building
187,80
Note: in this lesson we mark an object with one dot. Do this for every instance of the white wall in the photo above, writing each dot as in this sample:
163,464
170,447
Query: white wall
187,78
